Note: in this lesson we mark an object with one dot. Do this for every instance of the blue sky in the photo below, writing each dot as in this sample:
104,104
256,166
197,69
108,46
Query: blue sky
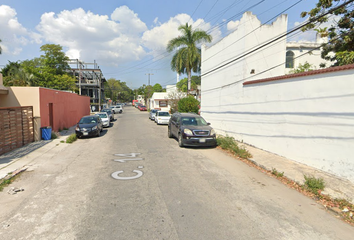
126,38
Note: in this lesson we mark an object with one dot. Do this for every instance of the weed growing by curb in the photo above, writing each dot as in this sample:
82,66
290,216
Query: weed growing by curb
72,138
315,185
230,144
276,173
53,135
7,181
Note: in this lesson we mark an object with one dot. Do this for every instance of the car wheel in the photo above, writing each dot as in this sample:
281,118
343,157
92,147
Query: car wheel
77,136
180,142
169,132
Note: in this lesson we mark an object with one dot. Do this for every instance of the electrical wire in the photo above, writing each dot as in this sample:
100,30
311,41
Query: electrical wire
277,38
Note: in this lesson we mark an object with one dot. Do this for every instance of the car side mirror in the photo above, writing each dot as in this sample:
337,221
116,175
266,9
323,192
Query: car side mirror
208,123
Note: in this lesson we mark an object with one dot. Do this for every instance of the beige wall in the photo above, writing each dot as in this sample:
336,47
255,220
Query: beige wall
24,96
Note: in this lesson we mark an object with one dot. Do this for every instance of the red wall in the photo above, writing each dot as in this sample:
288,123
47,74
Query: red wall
68,108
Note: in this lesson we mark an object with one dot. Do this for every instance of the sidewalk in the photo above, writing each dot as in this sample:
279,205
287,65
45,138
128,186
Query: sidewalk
22,158
334,186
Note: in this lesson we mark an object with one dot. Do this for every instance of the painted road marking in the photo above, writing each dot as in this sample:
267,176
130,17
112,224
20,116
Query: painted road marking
127,157
115,175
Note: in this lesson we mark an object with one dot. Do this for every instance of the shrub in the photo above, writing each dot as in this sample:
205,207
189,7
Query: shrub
276,173
230,144
188,104
53,135
314,184
72,138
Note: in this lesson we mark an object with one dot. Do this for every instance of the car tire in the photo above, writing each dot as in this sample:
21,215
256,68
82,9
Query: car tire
180,140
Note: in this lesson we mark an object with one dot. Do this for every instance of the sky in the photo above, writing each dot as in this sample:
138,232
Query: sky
128,39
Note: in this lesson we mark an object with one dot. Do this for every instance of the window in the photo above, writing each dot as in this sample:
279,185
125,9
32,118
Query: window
289,59
163,103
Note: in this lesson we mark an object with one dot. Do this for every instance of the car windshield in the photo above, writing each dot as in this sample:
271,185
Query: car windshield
153,110
102,115
163,114
194,121
88,120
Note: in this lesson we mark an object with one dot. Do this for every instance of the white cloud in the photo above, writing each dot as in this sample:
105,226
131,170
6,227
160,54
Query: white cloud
13,35
232,25
157,38
90,36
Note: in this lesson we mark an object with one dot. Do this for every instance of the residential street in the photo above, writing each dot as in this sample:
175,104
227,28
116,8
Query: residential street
163,192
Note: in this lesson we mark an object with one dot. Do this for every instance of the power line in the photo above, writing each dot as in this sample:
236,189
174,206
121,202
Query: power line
277,38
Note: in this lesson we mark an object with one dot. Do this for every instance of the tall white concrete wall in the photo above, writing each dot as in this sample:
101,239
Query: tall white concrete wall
309,119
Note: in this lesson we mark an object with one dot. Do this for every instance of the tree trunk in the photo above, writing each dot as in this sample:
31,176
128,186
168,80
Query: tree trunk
189,81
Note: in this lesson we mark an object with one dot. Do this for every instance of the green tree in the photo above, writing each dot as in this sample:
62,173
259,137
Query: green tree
340,34
0,47
182,85
188,104
187,58
50,69
303,68
157,88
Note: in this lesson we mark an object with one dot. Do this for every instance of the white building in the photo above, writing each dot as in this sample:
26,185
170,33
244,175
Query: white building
160,100
306,117
298,53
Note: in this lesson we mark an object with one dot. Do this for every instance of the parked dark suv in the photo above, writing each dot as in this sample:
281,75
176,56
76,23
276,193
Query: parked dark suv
191,130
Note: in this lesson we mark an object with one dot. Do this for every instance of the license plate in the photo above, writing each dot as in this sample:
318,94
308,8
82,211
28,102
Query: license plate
85,133
202,140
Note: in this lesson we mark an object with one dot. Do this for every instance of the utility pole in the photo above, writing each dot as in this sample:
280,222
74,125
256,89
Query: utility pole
149,77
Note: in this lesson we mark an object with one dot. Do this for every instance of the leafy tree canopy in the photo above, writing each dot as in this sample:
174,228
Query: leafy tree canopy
49,70
340,34
118,91
303,68
182,85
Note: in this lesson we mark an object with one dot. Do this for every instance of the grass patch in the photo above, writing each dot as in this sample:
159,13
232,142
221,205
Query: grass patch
65,128
7,181
62,141
72,138
53,135
276,173
314,185
230,144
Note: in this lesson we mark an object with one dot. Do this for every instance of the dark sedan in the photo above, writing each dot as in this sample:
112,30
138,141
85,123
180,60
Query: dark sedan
89,126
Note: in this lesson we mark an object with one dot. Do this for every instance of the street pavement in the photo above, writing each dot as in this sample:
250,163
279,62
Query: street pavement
26,157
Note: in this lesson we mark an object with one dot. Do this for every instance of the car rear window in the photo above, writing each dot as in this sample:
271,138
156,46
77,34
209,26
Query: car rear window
163,114
194,121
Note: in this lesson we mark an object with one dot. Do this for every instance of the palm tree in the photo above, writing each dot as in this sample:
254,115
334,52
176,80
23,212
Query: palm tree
0,46
187,58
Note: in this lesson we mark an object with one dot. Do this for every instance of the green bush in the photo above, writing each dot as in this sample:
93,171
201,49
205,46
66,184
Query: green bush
188,104
314,184
229,143
53,135
72,138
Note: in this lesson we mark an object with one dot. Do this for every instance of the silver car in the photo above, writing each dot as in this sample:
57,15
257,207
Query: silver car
152,114
106,122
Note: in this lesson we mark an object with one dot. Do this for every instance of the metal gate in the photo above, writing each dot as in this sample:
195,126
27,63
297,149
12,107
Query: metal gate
16,128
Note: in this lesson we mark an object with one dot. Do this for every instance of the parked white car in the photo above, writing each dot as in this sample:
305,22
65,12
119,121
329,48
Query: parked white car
162,117
105,119
117,109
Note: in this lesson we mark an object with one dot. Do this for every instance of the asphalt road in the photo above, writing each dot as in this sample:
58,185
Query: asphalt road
133,182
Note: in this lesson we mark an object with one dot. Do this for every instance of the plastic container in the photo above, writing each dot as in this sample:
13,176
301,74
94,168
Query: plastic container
46,133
